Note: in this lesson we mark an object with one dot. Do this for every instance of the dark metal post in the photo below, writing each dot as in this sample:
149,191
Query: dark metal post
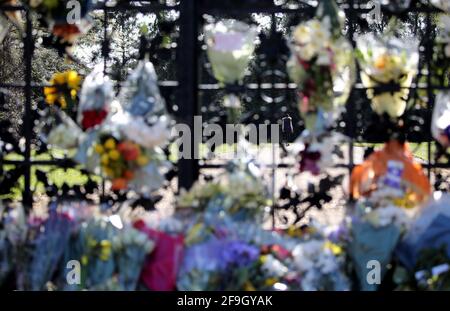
187,100
27,126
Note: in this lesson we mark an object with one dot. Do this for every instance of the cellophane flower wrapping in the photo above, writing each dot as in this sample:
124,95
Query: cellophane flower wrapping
131,248
92,247
45,249
440,123
96,97
429,230
161,267
65,134
144,118
388,61
323,67
444,33
230,46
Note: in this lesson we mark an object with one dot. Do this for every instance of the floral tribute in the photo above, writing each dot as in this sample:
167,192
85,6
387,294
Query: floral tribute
230,46
63,90
388,67
120,159
322,66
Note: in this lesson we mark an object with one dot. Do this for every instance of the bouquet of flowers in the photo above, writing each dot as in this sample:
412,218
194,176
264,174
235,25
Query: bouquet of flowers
217,264
238,192
440,124
318,153
13,231
45,249
95,99
120,159
230,46
388,67
320,266
92,247
322,66
63,90
131,248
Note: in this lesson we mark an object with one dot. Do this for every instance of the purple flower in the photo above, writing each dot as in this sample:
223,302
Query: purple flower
238,253
309,161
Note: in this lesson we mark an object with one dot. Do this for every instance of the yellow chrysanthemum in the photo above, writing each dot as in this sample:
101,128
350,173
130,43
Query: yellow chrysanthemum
58,78
104,159
99,148
114,155
51,98
270,281
73,79
110,144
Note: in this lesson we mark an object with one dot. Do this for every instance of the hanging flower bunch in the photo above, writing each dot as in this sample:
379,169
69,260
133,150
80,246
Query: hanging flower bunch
64,21
388,67
95,99
322,66
63,90
230,46
120,159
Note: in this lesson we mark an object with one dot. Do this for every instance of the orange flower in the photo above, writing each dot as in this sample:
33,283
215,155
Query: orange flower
119,184
130,151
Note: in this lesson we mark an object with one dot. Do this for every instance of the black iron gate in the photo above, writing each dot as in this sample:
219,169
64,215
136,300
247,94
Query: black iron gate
267,92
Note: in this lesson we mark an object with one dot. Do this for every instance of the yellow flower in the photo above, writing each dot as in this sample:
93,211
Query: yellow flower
105,250
58,78
51,98
334,248
104,159
270,281
73,79
249,287
99,148
110,143
49,90
84,260
142,160
263,259
114,155
73,93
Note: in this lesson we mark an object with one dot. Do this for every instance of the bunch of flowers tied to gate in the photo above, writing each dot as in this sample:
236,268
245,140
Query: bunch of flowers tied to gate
63,90
322,66
119,159
389,62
